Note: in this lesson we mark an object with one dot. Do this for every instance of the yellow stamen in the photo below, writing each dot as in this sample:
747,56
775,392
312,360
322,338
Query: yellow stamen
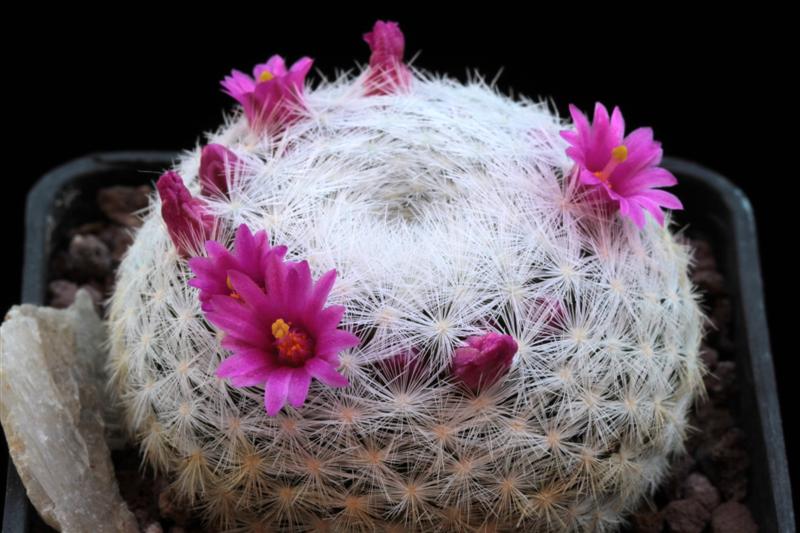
265,76
620,153
279,328
233,293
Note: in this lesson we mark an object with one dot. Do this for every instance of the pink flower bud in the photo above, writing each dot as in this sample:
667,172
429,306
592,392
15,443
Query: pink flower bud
218,168
387,71
484,360
187,222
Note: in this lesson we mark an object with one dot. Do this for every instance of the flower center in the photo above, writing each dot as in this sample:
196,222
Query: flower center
294,346
233,293
265,76
618,155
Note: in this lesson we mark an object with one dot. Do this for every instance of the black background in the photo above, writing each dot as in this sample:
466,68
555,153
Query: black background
715,89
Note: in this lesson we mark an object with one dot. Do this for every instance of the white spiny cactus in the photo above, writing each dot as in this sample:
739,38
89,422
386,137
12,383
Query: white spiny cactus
447,212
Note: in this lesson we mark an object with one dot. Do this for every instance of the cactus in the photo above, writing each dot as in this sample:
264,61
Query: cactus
447,211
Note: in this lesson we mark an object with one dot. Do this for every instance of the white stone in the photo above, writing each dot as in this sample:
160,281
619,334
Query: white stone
51,365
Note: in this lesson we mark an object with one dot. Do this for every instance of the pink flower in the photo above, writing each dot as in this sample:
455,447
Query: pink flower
625,169
187,222
387,72
484,360
274,98
218,167
250,257
280,333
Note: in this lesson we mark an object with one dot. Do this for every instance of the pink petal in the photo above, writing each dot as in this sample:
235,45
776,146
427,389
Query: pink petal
662,198
263,310
328,318
643,152
634,212
617,129
258,376
218,166
652,207
321,291
238,84
302,66
277,390
298,284
587,177
643,180
332,342
298,387
243,362
326,373
275,64
187,222
275,276
237,321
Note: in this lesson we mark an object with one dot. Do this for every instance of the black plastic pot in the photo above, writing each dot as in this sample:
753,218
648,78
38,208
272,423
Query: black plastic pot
713,205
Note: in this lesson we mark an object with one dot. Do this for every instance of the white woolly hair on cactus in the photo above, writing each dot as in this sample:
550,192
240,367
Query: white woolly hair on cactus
448,212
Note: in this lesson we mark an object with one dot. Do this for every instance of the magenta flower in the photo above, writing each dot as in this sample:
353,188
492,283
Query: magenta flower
250,257
275,323
218,167
484,360
273,98
387,71
187,221
625,169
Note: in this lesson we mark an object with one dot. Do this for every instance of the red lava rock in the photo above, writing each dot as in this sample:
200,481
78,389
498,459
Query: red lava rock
725,462
722,382
679,469
732,517
120,203
118,240
686,516
142,515
648,521
168,508
726,372
698,487
89,256
62,293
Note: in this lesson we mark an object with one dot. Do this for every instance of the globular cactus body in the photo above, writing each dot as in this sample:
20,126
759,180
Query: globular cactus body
447,211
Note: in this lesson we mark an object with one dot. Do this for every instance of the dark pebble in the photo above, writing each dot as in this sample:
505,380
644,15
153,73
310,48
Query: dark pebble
648,521
62,293
710,357
169,509
732,517
118,240
121,203
89,256
680,468
686,516
698,487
